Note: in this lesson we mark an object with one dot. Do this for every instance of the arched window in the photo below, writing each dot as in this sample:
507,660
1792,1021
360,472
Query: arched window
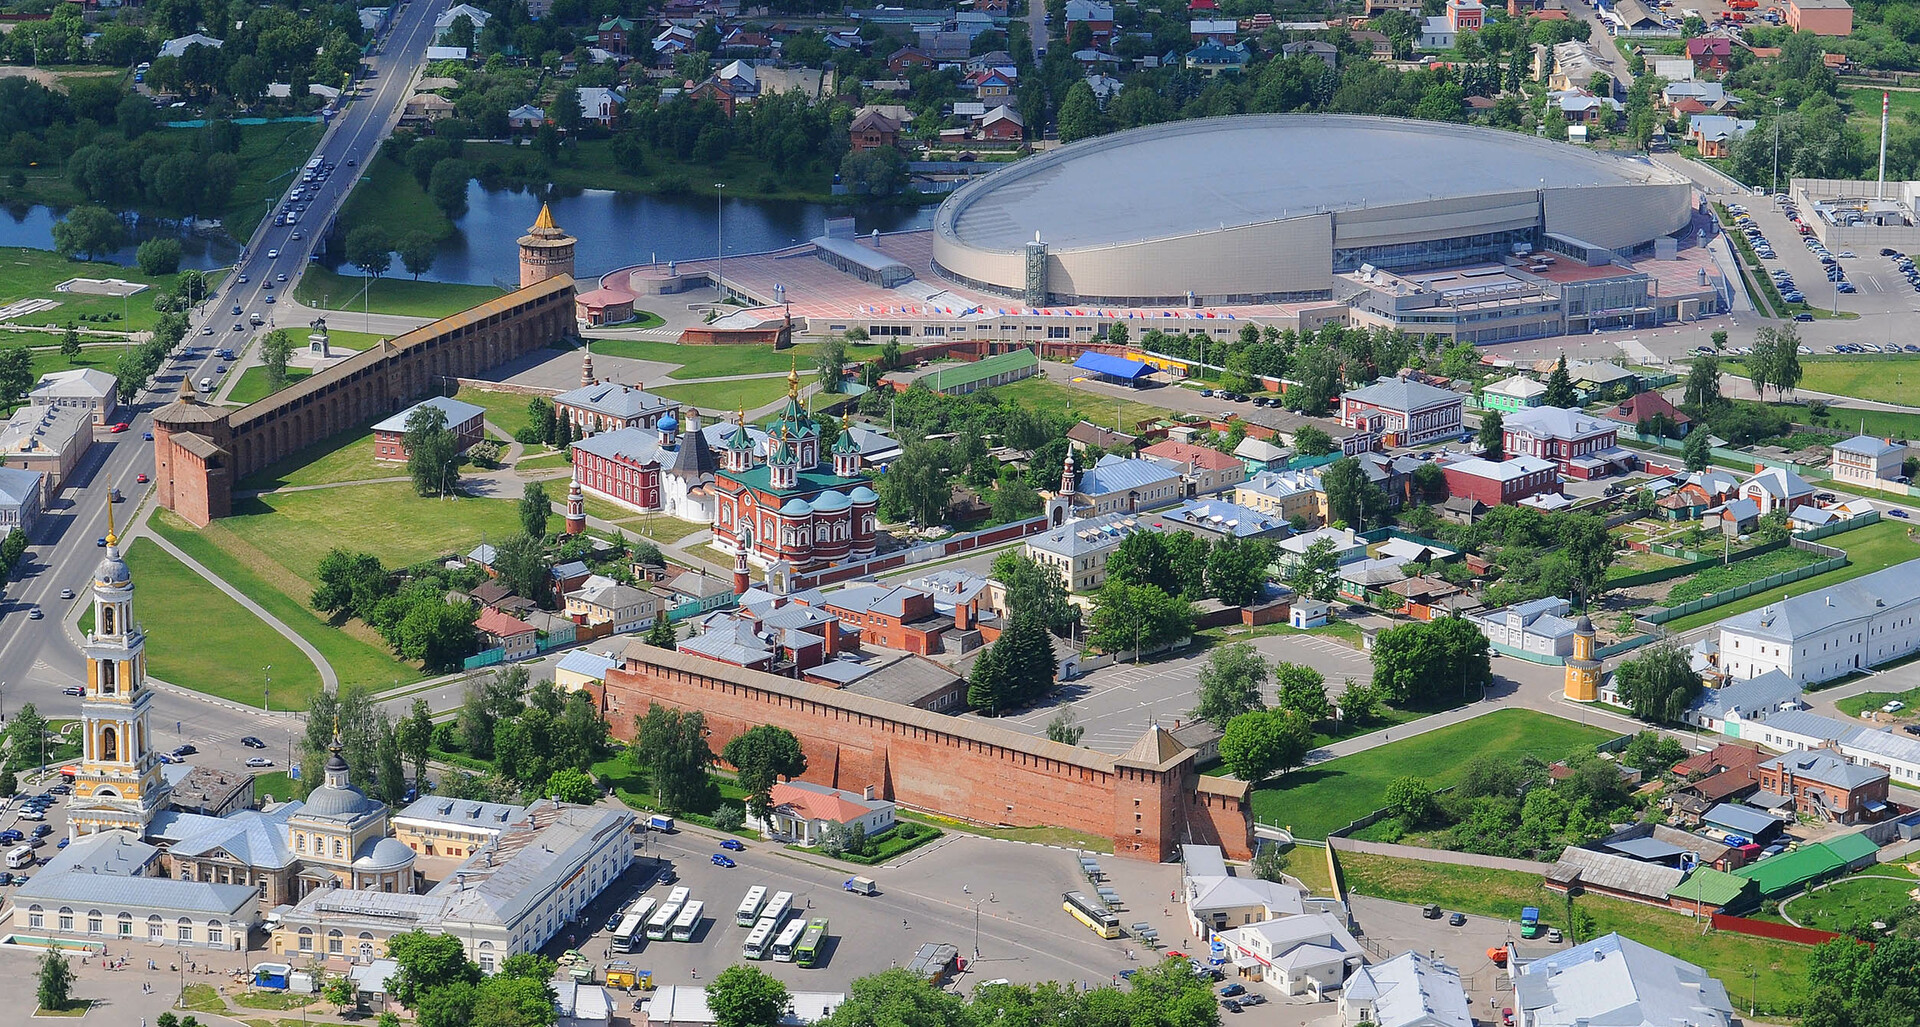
154,927
109,738
306,939
486,957
109,672
216,933
183,931
106,618
36,919
335,941
93,921
66,919
126,925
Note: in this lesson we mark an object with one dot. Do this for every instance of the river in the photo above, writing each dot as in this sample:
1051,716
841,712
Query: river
615,229
32,226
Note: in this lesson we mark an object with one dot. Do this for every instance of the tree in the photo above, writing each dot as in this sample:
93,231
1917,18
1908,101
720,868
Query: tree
158,257
1316,572
1659,684
1775,359
535,509
569,784
1559,386
1425,660
520,562
417,253
1698,449
370,249
1303,690
1412,801
433,451
761,756
1137,617
1237,569
447,185
1312,441
415,735
530,966
1703,384
1079,116
56,982
878,172
918,484
1062,729
987,686
672,745
88,232
1026,659
1359,703
1351,498
276,349
567,112
662,634
1036,590
427,963
1256,745
513,1001
70,343
1493,435
830,363
1270,864
746,996
341,992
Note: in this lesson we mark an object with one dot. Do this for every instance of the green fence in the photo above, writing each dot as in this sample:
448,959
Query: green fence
1825,530
1739,592
1692,566
1521,654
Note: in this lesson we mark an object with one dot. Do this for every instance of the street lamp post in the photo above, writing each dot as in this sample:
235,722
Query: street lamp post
266,689
719,239
1778,102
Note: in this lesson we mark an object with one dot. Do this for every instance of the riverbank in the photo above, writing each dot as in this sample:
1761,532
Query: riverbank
593,164
32,274
324,289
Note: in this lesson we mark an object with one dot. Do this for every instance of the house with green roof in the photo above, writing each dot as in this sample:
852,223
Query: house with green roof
1706,890
1791,871
958,379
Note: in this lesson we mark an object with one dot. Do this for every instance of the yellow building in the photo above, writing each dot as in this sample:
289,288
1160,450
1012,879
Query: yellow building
1285,495
440,826
1583,671
119,783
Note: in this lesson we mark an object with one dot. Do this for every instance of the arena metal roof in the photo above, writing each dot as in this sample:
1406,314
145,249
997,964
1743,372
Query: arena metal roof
1192,176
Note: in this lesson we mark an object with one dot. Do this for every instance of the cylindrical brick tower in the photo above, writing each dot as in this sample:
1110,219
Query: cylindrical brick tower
546,251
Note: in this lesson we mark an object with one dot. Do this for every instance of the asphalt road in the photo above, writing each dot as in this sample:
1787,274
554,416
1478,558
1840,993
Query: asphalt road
38,659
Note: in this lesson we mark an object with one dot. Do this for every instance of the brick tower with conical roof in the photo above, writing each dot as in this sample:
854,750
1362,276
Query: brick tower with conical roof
546,251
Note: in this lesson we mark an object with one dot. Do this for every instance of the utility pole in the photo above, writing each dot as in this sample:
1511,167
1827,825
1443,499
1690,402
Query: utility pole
1778,103
720,240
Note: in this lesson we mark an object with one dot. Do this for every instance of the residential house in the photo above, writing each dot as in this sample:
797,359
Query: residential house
177,46
1866,458
1650,411
617,608
21,497
1284,494
1825,786
1346,547
1634,16
1426,597
93,391
1715,134
1733,518
1205,470
1776,488
600,105
1409,990
1698,492
1403,412
1507,481
1673,69
1839,630
1601,378
1077,551
580,668
1578,65
1096,15
1220,31
1214,58
526,116
1119,484
1614,979
1259,455
615,34
51,440
802,812
1369,580
1580,445
466,421
1711,96
1002,124
1319,49
1309,953
426,108
872,130
519,639
1218,519
1516,393
1539,626
992,87
908,59
1711,53
1580,107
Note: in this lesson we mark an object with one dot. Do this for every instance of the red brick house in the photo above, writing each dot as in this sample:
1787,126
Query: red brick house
1508,481
1711,53
1822,784
1581,445
873,130
1002,124
908,58
900,618
466,421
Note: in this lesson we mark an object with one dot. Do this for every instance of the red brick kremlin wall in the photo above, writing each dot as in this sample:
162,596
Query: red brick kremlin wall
968,769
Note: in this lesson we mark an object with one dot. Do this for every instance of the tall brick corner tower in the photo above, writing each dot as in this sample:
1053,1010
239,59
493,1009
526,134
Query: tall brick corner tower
546,251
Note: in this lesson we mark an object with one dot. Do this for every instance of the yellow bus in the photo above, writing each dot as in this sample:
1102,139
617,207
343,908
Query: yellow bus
1093,913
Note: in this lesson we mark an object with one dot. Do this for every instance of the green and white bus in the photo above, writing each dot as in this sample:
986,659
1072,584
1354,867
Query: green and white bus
807,953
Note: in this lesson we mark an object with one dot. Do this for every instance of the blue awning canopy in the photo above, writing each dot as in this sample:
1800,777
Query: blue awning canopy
1112,366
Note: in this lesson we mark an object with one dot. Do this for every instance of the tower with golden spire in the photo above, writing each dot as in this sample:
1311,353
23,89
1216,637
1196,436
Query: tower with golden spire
797,425
546,251
118,784
1583,671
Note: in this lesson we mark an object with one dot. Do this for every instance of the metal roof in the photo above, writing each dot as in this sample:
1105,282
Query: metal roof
1158,177
1790,870
458,413
1812,613
1618,981
1827,768
1108,364
1744,819
1403,395
1614,873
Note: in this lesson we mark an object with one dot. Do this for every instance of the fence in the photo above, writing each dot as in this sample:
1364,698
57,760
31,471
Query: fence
1769,929
1739,592
1447,856
485,658
1543,659
1825,530
1693,566
1605,651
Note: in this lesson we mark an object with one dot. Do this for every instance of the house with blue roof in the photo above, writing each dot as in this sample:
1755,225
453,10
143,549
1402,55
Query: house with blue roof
1539,626
1866,458
1213,58
1121,484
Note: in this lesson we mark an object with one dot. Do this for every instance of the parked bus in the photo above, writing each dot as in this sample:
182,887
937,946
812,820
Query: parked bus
749,912
808,952
759,940
778,908
688,921
1092,913
662,923
633,926
784,945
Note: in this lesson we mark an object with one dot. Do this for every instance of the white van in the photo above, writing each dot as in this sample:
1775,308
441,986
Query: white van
20,857
206,385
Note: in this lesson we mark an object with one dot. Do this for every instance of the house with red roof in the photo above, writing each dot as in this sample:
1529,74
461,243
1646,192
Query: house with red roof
500,631
1710,53
1650,408
802,813
1205,469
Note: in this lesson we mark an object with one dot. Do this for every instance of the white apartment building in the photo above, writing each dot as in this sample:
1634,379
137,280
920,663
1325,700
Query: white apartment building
1818,636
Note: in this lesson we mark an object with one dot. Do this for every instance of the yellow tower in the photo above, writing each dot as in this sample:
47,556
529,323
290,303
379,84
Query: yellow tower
546,251
1583,671
119,783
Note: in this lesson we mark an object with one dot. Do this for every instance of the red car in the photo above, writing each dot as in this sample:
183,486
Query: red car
118,428
142,479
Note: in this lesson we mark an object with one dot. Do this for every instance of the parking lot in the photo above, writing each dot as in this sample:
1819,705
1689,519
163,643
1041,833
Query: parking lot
1882,294
1115,704
1001,898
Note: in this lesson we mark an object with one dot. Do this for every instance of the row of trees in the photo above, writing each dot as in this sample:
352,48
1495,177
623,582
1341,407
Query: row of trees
539,740
1234,679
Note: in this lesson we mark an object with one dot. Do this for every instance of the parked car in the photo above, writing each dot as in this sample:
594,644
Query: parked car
723,860
1236,988
1457,920
734,845
252,742
259,761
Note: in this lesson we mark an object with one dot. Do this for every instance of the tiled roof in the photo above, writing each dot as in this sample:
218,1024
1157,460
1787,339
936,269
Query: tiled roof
1194,456
818,803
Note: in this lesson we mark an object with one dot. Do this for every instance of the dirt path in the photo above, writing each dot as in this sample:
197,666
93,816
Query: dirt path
51,80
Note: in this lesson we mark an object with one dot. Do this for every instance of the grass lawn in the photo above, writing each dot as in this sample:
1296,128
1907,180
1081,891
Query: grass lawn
1637,562
345,457
506,411
1732,575
749,394
1502,893
330,290
252,387
1881,378
661,528
1040,394
273,999
1874,547
200,638
388,520
641,319
48,361
389,196
716,361
1343,630
1851,900
28,274
1308,864
337,339
1058,836
1863,106
201,998
76,1008
545,461
1853,705
1316,800
275,783
357,655
269,155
